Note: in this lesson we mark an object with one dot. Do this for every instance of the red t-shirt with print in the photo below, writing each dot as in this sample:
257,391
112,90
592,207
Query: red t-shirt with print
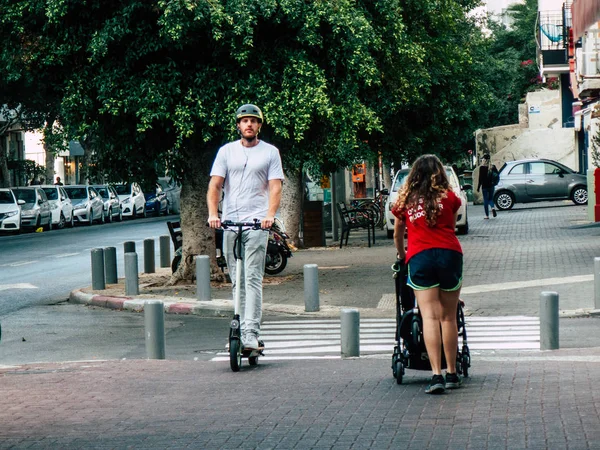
423,237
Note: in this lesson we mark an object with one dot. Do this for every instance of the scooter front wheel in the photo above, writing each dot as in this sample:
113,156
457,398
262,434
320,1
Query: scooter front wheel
235,355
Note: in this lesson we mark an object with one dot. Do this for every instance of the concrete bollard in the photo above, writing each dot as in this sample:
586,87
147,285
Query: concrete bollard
311,287
596,283
128,247
154,326
203,278
149,261
549,320
110,265
165,251
98,281
350,332
132,285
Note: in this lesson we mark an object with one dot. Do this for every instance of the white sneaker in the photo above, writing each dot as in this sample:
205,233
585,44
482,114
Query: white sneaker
250,342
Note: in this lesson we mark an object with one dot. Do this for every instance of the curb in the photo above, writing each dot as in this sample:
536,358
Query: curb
213,308
224,308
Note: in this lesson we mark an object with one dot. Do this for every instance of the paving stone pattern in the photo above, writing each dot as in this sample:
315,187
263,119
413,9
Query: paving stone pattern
518,404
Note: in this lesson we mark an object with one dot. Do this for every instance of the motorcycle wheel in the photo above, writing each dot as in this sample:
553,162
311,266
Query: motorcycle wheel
277,263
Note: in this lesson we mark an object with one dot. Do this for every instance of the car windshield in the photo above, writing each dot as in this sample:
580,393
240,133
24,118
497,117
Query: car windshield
399,180
6,198
28,196
76,193
451,178
51,193
103,192
123,189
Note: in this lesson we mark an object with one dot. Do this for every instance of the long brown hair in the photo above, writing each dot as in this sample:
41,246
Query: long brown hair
427,180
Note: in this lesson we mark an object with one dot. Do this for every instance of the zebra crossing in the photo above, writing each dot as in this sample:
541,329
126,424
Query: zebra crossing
320,338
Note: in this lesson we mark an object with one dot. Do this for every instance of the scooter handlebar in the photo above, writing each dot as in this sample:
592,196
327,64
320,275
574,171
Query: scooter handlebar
230,224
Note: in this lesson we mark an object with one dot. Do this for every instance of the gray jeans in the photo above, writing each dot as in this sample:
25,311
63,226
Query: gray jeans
254,253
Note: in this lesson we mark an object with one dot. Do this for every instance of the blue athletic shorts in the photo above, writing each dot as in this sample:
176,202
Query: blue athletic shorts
436,267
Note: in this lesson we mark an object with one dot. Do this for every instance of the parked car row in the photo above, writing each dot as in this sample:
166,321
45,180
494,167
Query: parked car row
53,206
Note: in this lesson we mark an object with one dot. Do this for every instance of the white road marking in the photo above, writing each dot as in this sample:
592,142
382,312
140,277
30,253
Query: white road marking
525,284
65,255
306,339
4,287
17,264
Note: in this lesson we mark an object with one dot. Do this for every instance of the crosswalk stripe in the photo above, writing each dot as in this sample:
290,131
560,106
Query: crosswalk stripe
320,338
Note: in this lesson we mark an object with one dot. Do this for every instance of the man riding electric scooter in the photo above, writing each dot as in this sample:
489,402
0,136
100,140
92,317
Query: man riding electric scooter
249,173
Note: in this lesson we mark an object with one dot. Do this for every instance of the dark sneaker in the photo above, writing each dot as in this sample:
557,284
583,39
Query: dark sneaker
437,385
452,381
494,213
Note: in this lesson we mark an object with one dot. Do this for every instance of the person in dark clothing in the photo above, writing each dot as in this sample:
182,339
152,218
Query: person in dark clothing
487,175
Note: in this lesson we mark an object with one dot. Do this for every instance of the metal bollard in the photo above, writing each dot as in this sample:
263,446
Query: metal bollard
132,286
128,247
110,265
154,326
596,283
203,278
149,263
165,251
311,287
549,320
350,332
98,282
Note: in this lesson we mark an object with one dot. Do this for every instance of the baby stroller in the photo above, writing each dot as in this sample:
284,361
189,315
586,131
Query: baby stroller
410,351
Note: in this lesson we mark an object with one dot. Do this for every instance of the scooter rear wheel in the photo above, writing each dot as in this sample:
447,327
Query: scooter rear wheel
253,360
235,355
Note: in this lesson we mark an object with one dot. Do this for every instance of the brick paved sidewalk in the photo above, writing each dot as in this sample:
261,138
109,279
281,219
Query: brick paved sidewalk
545,400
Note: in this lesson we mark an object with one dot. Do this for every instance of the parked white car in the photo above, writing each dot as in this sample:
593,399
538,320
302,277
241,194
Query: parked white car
87,204
61,206
10,211
462,221
35,212
132,199
113,209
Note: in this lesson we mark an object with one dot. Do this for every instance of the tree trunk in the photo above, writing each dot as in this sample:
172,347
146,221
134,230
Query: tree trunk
4,173
291,205
49,150
84,161
198,239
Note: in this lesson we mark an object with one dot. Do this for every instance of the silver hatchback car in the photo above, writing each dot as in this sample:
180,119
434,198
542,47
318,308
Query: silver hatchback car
536,180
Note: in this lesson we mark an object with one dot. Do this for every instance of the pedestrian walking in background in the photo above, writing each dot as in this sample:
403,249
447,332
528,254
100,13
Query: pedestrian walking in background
488,179
250,174
58,182
427,208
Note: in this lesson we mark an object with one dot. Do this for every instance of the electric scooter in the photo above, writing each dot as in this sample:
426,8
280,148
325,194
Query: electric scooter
236,348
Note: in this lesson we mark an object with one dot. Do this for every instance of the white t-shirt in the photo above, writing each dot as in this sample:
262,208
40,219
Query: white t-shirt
247,172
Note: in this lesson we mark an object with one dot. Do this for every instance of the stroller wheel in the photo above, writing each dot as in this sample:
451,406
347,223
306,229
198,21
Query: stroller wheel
415,333
465,363
399,371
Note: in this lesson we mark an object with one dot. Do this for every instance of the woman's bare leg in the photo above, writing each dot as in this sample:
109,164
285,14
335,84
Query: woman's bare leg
431,312
449,305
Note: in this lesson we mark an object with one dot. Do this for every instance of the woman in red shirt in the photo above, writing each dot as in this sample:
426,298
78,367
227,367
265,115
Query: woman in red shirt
427,208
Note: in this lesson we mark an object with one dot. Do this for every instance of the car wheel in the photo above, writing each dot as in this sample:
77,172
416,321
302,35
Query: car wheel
61,222
579,196
144,212
120,217
72,221
102,217
91,217
48,227
168,209
504,200
463,229
110,215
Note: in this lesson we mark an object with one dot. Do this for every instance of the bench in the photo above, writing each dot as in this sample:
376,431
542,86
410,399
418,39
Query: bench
176,235
352,219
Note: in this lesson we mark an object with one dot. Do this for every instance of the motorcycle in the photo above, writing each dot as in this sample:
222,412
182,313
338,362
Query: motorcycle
278,249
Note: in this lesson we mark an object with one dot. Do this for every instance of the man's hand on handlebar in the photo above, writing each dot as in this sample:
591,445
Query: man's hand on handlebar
267,222
214,222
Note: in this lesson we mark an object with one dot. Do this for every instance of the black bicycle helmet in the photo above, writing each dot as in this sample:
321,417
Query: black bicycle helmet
248,111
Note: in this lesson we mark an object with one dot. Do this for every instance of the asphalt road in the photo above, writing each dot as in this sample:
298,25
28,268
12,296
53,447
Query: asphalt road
42,268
